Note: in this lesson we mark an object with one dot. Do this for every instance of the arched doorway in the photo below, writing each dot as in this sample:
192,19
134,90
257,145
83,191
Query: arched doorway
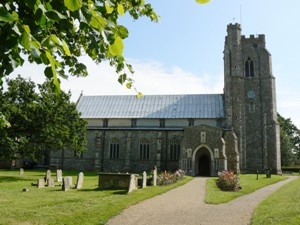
203,162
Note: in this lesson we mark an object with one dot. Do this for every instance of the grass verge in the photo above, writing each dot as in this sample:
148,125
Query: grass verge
280,208
51,205
248,182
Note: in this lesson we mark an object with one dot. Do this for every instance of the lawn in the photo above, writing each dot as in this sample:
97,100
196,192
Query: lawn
280,208
248,182
51,205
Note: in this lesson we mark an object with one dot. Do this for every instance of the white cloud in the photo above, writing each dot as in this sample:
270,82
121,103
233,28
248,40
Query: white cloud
152,77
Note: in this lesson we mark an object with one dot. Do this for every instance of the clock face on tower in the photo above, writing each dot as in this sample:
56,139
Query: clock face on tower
251,94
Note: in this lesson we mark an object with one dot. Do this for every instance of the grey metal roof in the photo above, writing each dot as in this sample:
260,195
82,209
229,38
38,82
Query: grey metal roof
152,106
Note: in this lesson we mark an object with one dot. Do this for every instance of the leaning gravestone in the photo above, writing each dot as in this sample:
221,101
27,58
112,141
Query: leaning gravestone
144,179
67,183
40,183
79,182
21,171
59,175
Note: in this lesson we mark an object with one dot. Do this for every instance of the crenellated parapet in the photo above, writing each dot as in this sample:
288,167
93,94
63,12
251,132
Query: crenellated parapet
253,39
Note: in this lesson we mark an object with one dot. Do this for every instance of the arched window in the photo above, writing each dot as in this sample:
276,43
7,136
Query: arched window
249,68
144,149
174,150
114,149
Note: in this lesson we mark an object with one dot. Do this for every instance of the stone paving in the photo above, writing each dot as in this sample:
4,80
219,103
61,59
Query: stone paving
185,206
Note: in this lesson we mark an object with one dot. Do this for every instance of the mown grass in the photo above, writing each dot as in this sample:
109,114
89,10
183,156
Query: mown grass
248,182
51,205
280,208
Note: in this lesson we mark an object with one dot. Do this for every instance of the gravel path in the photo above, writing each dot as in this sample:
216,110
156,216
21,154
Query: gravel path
185,206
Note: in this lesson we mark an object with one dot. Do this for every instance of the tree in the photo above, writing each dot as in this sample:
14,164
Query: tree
56,33
289,140
40,119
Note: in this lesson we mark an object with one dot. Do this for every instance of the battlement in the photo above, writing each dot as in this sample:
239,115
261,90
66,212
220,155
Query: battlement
254,39
235,25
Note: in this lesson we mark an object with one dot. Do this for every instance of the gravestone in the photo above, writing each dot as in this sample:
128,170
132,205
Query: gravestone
79,182
50,182
21,171
59,175
154,176
144,179
40,183
67,183
132,183
48,175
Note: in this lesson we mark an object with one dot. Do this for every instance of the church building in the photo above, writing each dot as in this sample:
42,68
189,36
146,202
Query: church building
198,133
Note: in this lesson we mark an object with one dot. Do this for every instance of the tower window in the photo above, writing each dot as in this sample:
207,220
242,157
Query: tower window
249,68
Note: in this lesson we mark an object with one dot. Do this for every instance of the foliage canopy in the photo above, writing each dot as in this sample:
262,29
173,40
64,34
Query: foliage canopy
39,120
289,141
56,33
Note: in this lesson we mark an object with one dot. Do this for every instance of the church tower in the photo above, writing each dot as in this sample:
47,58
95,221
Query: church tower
250,101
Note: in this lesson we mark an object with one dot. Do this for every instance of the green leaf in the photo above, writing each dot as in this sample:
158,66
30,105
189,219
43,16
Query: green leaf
139,95
122,32
66,48
56,83
25,40
108,8
40,17
73,5
51,72
202,1
98,22
120,9
27,29
129,67
5,16
122,78
55,39
48,72
116,49
54,15
129,85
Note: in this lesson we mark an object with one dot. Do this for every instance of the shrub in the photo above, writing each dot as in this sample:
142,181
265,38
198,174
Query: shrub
166,178
228,181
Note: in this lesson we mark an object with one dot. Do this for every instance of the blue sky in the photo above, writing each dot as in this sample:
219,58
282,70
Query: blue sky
183,53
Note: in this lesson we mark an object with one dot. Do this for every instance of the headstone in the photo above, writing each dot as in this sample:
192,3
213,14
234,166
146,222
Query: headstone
144,179
67,183
79,182
59,175
132,183
50,182
48,175
154,176
40,183
21,171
